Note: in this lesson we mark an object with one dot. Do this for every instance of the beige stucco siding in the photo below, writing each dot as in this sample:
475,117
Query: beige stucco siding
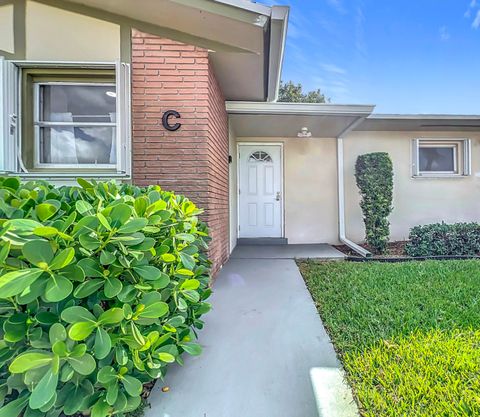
60,35
310,183
416,200
310,186
7,40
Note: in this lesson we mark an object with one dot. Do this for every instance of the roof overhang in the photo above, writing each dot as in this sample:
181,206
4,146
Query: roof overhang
245,39
287,119
420,123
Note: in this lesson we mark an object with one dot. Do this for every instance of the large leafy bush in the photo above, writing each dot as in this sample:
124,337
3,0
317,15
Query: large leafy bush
101,287
441,239
374,176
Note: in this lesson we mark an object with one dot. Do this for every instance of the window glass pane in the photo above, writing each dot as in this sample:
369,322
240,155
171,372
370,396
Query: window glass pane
77,145
77,103
437,159
260,156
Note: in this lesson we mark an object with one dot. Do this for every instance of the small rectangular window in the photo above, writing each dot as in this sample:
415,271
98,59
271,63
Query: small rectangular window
438,158
67,119
443,157
75,125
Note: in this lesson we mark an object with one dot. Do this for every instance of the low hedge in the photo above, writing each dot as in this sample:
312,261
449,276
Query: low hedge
441,239
101,287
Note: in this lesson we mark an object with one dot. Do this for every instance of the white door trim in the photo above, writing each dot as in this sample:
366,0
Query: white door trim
282,180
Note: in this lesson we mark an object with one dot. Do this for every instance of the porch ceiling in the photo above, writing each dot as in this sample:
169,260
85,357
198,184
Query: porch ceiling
287,119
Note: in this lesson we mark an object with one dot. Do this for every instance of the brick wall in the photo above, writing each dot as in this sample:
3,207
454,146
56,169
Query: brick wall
193,160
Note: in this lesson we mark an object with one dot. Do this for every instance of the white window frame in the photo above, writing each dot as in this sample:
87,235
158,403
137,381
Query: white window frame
11,72
461,153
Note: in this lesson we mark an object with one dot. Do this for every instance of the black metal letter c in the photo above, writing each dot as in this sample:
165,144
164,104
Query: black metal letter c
166,122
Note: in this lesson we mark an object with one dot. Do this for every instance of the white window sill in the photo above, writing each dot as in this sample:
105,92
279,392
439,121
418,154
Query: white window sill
439,176
54,176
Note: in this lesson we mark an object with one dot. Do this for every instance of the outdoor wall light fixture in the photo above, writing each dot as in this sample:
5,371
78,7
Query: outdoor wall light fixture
304,133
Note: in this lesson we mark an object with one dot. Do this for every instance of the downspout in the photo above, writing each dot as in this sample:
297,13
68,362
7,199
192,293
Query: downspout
341,193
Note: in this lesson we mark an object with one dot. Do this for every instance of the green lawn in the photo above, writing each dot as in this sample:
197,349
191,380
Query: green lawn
408,334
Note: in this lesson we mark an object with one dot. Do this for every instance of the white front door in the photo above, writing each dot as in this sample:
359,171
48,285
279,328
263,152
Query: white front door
260,191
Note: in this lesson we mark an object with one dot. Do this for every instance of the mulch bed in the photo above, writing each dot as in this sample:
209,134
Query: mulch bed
395,249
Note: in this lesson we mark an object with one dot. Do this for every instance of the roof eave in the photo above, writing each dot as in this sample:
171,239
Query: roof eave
278,39
420,122
242,107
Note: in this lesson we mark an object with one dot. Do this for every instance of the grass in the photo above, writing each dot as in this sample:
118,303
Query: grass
408,334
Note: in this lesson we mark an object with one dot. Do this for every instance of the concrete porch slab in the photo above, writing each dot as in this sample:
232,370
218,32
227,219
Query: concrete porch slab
317,251
262,343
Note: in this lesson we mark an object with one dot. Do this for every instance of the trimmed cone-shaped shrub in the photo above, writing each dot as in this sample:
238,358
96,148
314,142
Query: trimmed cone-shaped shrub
101,287
374,175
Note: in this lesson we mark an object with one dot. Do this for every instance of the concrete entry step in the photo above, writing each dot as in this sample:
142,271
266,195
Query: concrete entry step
318,251
260,241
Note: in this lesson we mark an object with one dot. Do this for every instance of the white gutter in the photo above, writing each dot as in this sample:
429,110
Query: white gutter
341,192
308,109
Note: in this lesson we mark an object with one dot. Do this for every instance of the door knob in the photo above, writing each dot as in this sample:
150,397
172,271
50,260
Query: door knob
278,197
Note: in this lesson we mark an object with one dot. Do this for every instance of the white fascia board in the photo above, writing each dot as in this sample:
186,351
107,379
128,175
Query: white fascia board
278,40
378,116
247,5
243,107
243,11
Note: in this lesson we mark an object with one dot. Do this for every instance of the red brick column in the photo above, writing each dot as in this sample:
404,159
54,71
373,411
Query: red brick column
193,160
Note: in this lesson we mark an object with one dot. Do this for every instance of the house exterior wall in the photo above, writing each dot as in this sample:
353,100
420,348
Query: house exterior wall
217,209
310,183
310,189
194,159
7,38
59,35
416,201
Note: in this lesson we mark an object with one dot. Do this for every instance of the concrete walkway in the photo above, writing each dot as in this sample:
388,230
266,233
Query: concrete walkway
319,251
265,351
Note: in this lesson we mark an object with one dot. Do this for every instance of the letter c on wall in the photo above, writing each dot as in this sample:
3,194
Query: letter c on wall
166,120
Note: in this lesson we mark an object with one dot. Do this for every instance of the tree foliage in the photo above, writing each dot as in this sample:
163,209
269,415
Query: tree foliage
293,93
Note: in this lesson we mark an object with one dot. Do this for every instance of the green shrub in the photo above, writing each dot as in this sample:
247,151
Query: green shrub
441,239
101,287
374,176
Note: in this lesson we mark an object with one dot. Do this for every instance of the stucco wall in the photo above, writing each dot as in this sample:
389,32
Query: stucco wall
310,188
416,200
56,34
6,29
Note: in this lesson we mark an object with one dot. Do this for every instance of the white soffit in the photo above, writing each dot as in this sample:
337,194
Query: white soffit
420,122
287,119
215,25
246,39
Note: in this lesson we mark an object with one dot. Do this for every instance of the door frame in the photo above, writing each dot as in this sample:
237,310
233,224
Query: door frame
282,181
